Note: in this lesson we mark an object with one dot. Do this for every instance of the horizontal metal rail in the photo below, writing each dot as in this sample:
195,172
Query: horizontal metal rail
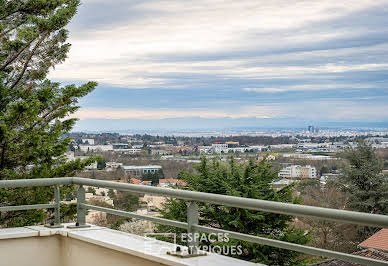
41,182
292,246
28,207
352,217
137,216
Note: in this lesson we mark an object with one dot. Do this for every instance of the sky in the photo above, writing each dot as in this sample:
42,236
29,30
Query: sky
224,64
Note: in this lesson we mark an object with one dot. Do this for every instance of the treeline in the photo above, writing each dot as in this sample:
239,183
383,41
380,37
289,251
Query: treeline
192,141
254,140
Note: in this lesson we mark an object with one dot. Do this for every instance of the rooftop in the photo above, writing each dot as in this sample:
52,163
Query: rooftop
377,241
368,253
136,167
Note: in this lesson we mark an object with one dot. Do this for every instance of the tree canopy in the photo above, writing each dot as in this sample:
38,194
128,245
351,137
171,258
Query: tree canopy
34,112
365,184
363,180
251,180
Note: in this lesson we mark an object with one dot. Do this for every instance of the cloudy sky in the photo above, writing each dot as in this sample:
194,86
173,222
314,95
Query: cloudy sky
180,64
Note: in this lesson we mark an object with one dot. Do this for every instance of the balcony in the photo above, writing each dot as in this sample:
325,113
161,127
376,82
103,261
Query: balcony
98,246
80,243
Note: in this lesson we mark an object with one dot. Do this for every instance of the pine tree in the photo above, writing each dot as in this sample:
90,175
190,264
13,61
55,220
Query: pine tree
34,112
364,182
365,185
252,180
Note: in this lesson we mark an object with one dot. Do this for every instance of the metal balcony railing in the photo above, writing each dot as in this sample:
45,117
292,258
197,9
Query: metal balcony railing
192,213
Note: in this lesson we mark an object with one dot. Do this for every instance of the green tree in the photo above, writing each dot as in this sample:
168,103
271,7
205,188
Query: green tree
126,201
101,164
154,177
91,190
252,180
363,180
34,112
365,185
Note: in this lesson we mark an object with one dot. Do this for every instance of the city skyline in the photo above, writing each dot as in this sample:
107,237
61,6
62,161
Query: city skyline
228,63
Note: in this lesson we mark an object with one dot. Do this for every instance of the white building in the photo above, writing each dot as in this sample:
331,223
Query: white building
140,170
70,157
113,165
88,141
220,147
128,151
297,171
229,146
90,148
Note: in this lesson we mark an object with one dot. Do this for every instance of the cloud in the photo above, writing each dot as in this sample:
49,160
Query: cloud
333,110
312,87
110,113
120,48
181,59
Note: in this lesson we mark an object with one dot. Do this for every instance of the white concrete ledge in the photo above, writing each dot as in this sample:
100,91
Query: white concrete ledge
18,232
139,246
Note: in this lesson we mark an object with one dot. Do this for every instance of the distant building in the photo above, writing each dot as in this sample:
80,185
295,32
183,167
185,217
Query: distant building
135,170
113,165
159,152
229,146
170,182
297,171
131,151
91,148
220,147
313,129
120,146
88,141
329,176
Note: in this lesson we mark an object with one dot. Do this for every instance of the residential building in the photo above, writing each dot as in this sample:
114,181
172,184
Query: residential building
170,182
88,141
297,171
90,148
135,170
113,165
120,146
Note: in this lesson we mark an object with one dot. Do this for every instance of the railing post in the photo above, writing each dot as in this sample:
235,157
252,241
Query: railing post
192,219
57,199
81,211
57,212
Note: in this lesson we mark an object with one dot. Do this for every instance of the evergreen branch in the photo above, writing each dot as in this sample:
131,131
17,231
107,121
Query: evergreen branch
9,61
29,59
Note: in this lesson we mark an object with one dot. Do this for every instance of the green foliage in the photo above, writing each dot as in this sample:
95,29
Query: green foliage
308,182
365,185
252,180
68,212
324,170
126,201
91,190
111,194
154,177
101,164
34,112
362,178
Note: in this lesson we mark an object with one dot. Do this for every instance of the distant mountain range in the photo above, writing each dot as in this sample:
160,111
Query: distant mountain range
218,124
